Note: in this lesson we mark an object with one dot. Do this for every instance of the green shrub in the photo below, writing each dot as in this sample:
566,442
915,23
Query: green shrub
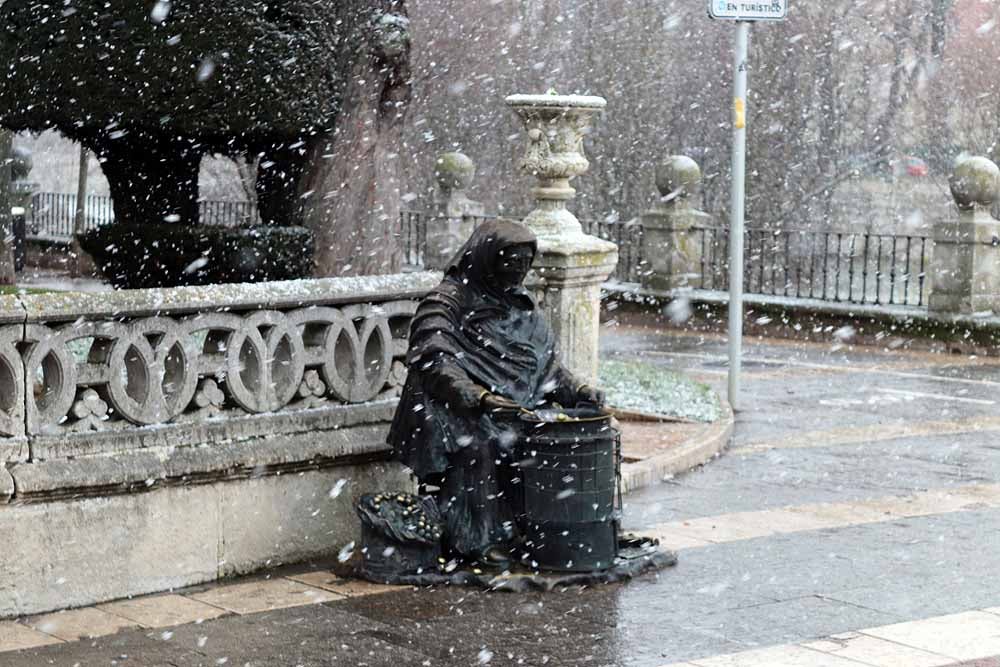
171,255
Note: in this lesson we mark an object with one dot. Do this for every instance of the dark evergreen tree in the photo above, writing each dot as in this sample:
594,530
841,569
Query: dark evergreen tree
150,87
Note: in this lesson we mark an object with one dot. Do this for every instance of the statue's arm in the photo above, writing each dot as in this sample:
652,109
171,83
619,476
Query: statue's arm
564,389
448,383
431,355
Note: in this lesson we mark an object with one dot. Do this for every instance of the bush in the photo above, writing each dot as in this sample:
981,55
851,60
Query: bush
172,255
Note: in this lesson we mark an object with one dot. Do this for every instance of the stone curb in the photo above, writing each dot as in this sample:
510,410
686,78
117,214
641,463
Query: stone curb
688,455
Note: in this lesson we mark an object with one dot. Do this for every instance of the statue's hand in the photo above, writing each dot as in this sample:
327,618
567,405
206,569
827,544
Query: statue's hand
590,395
497,403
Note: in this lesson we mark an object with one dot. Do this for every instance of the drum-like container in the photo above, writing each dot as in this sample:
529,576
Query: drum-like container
569,462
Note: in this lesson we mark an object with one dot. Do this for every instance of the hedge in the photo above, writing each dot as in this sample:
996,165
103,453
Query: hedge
172,255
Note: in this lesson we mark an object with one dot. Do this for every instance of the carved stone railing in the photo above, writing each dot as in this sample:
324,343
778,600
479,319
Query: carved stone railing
156,439
101,373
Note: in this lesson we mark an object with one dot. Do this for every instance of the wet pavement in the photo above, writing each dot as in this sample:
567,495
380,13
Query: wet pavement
860,496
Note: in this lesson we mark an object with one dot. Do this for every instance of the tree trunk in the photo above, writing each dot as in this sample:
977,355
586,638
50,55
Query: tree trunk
278,175
7,269
151,181
80,216
350,188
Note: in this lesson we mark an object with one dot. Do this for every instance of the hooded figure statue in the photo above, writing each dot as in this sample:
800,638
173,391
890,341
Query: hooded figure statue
480,351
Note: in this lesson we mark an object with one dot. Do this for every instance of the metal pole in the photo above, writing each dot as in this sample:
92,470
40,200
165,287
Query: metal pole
737,204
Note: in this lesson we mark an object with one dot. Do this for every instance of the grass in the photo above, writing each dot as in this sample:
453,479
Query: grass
644,387
13,289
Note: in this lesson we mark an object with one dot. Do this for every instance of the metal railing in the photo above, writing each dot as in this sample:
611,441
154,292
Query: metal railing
227,213
413,232
53,214
628,236
840,266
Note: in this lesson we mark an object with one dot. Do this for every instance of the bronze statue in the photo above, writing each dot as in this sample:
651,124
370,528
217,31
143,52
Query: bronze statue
481,352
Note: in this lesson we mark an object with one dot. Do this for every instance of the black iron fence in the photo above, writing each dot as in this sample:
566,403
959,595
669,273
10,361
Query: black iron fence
628,236
53,214
227,213
840,266
414,225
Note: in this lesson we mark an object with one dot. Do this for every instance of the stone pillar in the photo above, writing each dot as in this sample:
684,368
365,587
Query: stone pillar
672,247
570,266
965,265
453,211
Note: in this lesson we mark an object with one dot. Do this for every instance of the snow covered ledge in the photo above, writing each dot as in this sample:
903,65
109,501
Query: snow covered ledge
153,439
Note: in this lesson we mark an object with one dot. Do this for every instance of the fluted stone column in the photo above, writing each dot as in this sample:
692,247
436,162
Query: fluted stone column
453,210
672,247
965,265
570,266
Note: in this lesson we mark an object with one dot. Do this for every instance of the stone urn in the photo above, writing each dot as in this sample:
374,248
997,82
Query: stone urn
556,125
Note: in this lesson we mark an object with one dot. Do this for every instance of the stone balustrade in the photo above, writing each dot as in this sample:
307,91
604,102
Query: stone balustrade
101,368
154,439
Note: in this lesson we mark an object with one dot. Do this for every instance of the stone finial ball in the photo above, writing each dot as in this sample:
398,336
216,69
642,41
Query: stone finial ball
678,175
974,181
454,171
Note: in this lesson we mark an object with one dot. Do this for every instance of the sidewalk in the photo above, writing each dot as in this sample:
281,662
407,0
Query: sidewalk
311,592
35,278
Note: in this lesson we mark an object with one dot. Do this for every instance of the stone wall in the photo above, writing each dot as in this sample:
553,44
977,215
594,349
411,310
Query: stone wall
159,438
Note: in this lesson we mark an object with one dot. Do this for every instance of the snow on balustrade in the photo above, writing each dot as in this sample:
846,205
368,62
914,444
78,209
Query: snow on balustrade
76,366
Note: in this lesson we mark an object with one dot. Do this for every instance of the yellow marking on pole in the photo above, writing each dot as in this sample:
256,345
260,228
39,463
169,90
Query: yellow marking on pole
739,113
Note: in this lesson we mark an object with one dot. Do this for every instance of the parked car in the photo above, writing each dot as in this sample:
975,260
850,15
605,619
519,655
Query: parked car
910,165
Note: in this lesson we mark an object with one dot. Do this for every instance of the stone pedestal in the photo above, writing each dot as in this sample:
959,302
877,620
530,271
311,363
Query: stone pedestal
567,278
672,241
570,266
965,266
454,213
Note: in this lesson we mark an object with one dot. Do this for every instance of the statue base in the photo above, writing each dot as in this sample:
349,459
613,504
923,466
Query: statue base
636,557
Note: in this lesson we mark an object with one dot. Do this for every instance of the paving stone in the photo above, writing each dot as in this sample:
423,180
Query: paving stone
263,595
328,581
80,624
964,636
672,538
877,652
779,656
308,636
158,611
16,636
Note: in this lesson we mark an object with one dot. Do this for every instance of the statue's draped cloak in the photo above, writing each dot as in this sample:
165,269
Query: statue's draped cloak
468,336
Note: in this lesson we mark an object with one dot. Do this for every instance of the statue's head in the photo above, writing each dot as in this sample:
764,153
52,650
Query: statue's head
497,255
513,263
